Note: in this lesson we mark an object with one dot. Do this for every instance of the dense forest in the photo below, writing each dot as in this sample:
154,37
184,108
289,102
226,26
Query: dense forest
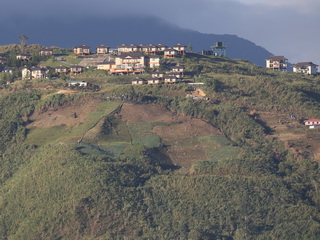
110,176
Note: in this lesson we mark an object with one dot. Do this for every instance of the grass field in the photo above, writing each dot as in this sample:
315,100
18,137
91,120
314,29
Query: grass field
64,134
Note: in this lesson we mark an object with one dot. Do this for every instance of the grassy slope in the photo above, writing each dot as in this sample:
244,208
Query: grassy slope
258,191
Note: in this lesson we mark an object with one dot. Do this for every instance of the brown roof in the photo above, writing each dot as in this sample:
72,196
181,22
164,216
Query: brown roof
61,67
127,46
133,55
277,58
102,46
304,64
83,46
107,62
179,45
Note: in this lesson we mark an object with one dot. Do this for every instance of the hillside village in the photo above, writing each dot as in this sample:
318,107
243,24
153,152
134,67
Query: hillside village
157,142
143,65
130,60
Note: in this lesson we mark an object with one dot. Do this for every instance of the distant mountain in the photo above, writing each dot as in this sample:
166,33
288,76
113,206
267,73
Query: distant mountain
113,32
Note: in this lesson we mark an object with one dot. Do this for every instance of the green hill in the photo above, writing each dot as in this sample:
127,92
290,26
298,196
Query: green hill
148,162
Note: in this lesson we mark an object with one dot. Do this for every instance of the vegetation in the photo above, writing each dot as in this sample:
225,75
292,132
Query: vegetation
101,177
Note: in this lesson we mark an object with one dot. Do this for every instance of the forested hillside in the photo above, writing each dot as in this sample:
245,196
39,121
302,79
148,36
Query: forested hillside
153,162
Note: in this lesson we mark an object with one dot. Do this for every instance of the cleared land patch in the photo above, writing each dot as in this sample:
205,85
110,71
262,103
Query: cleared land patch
178,134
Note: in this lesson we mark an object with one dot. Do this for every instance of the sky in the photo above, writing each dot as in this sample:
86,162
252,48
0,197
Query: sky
283,27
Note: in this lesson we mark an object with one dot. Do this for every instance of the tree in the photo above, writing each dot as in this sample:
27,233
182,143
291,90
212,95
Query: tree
190,47
23,42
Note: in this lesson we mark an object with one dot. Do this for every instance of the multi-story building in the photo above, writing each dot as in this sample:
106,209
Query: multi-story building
308,68
82,50
279,63
102,49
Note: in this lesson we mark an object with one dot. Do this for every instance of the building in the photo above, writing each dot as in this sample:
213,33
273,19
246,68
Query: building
8,69
2,60
312,123
154,61
129,63
34,72
61,69
80,83
76,69
161,47
46,52
23,56
181,49
128,48
170,53
158,74
279,63
106,65
179,69
170,79
102,49
154,81
139,81
82,50
308,68
219,49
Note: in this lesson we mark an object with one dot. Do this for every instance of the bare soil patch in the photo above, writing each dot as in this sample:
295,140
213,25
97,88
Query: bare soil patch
298,138
179,134
70,114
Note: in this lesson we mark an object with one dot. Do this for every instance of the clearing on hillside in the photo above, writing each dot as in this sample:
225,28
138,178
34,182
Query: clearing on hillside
179,134
70,114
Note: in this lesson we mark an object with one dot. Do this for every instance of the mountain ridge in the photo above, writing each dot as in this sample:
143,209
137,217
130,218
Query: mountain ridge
115,31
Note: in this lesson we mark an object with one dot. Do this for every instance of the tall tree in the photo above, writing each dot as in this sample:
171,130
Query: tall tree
23,42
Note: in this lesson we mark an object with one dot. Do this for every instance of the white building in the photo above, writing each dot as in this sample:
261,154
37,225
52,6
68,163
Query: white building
308,68
279,63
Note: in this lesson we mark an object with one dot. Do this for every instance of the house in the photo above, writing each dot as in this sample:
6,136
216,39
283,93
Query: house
170,79
308,68
129,63
34,72
143,48
179,69
8,70
106,65
181,49
2,60
82,50
158,74
61,69
151,49
279,63
219,49
161,47
312,123
80,83
76,69
139,81
174,74
23,56
102,49
154,81
154,61
46,52
170,53
128,48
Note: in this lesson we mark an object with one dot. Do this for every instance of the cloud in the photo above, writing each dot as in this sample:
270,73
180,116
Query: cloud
286,27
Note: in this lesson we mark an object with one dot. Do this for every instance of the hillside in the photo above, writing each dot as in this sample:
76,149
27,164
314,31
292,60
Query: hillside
96,31
223,160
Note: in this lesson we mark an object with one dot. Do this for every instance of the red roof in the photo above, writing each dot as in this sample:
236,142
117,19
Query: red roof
312,120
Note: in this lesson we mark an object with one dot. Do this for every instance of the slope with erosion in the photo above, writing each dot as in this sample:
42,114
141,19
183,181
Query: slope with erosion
116,183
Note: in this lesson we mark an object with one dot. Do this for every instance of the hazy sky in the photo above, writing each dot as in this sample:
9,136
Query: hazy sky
284,27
